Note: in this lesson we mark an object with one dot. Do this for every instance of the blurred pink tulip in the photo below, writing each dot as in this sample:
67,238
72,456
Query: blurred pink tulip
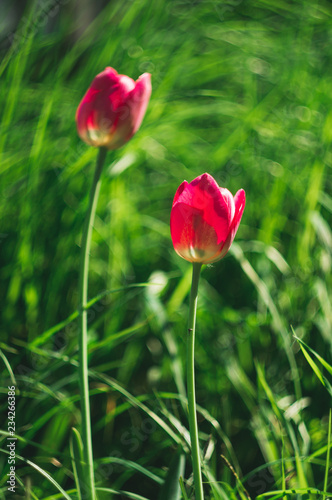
205,219
112,109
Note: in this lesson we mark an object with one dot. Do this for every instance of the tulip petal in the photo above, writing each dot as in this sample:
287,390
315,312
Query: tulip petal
179,191
229,200
240,201
132,110
193,238
217,207
138,100
126,84
204,219
97,113
112,109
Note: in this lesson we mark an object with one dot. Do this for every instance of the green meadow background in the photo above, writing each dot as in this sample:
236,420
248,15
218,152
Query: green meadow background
241,90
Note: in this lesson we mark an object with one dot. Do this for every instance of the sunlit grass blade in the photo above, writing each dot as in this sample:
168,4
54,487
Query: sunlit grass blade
324,381
320,358
180,292
313,365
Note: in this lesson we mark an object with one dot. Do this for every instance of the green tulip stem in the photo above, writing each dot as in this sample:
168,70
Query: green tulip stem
193,428
88,480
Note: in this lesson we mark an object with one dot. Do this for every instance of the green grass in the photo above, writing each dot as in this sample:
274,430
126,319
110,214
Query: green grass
241,90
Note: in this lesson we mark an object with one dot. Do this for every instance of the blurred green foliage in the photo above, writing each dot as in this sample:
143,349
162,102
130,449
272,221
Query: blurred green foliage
242,90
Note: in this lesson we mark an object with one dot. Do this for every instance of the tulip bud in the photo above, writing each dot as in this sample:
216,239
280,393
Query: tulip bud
204,219
112,109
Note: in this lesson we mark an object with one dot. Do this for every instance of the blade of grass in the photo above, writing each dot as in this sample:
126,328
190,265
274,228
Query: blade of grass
313,365
327,468
41,339
138,404
127,494
132,465
295,491
171,489
42,472
278,324
183,489
9,368
308,348
76,453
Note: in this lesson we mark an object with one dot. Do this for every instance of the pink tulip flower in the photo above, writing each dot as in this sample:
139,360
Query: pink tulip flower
204,219
113,108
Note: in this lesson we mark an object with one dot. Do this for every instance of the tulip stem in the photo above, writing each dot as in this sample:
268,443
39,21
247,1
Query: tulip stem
193,428
88,479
